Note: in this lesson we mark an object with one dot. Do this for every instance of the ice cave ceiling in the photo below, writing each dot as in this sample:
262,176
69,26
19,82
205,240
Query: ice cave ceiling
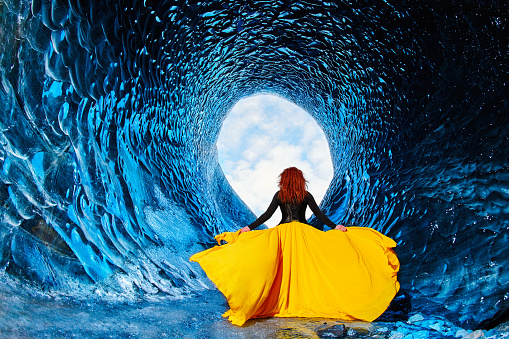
110,112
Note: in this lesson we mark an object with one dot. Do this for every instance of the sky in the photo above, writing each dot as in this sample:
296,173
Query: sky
263,135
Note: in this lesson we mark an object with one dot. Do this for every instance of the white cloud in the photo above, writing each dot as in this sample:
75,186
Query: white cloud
262,136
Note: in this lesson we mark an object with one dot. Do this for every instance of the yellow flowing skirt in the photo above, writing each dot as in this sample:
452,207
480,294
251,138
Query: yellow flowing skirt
295,270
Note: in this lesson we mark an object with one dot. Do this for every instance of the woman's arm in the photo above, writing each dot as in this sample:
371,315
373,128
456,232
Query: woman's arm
265,216
321,216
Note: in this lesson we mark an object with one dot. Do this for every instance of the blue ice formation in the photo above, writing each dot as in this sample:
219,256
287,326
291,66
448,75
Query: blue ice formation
110,112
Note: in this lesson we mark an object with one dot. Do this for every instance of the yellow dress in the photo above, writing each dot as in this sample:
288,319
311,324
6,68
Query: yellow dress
295,270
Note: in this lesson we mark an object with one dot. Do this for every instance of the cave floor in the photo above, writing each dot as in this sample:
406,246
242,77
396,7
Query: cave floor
24,315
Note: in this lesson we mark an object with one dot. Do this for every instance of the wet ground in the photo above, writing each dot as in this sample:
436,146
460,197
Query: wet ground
24,315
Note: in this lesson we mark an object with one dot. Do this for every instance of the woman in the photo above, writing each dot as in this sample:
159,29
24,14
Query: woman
292,198
295,270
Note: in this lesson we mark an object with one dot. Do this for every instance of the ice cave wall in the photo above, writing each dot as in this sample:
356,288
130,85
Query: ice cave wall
110,111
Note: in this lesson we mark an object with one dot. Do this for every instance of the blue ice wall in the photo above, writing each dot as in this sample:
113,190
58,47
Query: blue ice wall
110,112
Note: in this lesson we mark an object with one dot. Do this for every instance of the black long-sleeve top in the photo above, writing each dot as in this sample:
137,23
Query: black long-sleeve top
292,211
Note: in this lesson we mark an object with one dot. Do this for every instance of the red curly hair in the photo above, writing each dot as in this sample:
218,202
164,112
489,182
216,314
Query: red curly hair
292,186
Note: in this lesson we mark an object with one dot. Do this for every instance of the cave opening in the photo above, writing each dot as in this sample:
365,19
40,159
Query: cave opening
264,134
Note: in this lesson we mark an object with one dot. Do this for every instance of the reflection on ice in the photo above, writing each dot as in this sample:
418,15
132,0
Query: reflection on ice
24,315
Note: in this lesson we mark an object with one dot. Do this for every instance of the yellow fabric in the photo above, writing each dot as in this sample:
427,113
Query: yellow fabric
295,270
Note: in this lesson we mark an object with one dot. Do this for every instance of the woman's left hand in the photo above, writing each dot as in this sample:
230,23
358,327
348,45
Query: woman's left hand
245,229
341,228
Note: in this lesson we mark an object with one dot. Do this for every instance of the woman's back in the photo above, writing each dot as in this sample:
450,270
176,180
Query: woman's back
292,211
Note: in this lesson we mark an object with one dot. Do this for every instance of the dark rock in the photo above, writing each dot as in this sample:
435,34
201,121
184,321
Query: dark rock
358,332
334,331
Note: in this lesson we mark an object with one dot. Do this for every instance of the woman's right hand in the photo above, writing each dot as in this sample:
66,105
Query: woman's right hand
245,229
341,228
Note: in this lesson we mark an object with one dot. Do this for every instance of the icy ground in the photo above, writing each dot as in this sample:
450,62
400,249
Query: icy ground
25,315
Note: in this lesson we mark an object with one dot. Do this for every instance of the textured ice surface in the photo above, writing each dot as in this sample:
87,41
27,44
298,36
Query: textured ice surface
25,315
110,112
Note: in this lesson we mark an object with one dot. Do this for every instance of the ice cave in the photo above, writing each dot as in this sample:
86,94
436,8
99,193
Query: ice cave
110,112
